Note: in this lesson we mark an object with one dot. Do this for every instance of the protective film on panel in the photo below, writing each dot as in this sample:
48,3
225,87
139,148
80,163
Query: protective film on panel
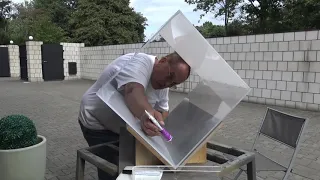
181,173
193,120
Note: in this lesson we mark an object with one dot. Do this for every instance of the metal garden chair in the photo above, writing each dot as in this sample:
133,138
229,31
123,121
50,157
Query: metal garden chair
283,128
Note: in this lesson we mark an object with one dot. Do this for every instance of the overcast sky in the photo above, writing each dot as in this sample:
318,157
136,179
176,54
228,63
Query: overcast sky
158,11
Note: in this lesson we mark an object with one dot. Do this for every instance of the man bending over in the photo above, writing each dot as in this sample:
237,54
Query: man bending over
144,83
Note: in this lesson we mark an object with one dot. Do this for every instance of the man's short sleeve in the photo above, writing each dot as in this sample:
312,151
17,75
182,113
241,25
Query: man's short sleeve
163,103
138,70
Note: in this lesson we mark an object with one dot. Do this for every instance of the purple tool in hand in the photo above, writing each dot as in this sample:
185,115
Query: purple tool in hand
164,132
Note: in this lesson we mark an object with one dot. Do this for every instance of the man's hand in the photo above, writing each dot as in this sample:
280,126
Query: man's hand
148,127
137,102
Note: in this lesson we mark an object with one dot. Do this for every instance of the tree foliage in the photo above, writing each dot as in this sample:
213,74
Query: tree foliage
208,30
5,11
96,22
90,21
59,12
263,16
224,8
302,15
36,22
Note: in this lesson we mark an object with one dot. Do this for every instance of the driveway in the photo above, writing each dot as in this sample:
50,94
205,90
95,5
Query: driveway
54,108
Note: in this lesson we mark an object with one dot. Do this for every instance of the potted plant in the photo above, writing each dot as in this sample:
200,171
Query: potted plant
22,150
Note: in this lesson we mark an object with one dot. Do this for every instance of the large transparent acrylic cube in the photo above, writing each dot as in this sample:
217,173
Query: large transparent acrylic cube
216,93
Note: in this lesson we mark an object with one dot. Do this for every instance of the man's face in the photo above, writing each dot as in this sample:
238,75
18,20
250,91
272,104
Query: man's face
165,75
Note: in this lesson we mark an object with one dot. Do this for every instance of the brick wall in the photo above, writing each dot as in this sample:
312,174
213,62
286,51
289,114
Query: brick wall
14,61
71,54
34,55
34,61
282,69
95,59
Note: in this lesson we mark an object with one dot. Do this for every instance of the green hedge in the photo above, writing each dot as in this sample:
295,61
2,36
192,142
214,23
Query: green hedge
17,131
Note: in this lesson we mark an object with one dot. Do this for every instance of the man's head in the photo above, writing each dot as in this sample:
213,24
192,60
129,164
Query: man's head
169,71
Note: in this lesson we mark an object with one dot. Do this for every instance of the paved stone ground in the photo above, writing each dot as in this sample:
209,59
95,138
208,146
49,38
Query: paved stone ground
54,108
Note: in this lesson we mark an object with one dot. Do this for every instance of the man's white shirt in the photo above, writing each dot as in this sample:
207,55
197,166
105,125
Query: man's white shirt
95,114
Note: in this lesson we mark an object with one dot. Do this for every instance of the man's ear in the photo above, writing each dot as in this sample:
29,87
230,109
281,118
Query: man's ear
163,60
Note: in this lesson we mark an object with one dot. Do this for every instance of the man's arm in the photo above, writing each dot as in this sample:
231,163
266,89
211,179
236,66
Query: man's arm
136,100
137,103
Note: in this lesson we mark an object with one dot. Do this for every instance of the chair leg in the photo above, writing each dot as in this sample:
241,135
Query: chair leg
251,171
239,173
80,168
259,178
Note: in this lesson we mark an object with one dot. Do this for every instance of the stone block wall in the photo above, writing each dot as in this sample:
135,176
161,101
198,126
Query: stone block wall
282,69
34,61
95,59
34,56
14,60
71,54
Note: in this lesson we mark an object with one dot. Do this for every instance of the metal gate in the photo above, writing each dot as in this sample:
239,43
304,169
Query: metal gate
52,62
4,62
23,62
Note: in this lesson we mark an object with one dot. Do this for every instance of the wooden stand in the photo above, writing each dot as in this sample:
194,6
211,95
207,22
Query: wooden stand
145,155
134,151
241,158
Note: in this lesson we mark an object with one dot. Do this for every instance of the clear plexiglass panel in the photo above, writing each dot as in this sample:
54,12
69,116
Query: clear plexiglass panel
218,90
181,173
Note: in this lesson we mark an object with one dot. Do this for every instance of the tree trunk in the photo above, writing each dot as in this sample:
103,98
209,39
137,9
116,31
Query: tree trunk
226,16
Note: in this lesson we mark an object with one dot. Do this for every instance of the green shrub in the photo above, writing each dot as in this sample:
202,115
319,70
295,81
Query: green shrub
17,131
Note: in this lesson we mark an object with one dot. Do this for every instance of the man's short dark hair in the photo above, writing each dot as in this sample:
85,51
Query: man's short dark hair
175,58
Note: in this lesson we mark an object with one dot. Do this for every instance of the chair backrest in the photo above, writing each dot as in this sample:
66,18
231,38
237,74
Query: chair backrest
282,127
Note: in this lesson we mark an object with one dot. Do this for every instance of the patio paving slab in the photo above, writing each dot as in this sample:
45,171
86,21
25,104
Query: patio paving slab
54,107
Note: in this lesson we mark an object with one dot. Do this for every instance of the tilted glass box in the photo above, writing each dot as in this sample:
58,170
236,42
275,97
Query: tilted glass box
194,119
